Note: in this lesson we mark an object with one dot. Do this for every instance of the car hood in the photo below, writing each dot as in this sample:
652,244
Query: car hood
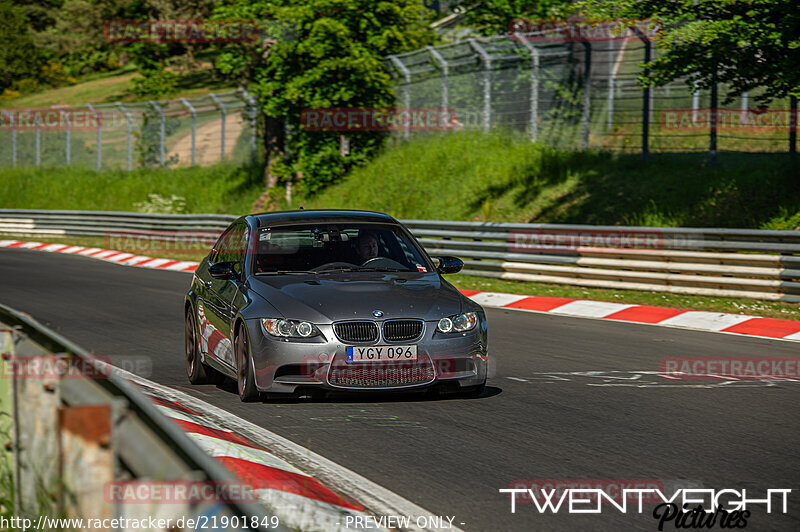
347,296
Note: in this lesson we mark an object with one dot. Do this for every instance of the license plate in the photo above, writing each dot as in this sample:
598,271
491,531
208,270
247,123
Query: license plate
381,353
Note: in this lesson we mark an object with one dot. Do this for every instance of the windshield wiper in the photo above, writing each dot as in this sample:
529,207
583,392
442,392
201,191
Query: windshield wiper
285,272
339,270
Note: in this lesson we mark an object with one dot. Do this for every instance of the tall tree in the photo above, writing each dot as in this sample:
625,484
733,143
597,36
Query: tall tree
321,53
19,58
745,44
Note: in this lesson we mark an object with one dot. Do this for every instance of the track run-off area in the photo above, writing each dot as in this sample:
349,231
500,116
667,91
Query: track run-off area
569,399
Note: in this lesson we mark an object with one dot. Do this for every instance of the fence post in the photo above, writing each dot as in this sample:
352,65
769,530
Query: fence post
587,94
487,83
610,103
36,120
712,122
695,103
793,125
130,132
406,88
445,74
98,118
645,96
191,108
223,112
253,104
13,137
67,150
161,130
534,84
743,108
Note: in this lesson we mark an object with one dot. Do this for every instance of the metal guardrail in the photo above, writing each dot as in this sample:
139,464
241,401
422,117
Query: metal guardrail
721,262
63,467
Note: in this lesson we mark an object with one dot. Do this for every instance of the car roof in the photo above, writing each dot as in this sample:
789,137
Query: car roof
320,216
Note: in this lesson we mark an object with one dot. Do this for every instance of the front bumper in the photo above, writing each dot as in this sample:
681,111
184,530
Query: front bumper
285,365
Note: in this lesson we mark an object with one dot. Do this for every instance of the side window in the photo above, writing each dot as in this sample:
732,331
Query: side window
221,247
232,245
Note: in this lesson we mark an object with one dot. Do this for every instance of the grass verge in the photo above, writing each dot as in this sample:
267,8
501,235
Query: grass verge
224,188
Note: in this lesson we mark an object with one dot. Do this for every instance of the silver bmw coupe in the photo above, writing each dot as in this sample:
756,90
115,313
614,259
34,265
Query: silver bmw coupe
312,300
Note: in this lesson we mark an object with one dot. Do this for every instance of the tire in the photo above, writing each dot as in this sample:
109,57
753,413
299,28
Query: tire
198,372
245,380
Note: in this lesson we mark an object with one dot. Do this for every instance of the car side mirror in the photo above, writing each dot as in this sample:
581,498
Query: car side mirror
223,270
449,264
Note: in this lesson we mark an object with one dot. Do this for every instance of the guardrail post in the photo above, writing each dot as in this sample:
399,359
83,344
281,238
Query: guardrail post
712,125
253,107
130,132
99,120
793,125
487,83
587,95
406,88
445,74
191,108
13,138
37,121
223,112
67,150
534,85
161,131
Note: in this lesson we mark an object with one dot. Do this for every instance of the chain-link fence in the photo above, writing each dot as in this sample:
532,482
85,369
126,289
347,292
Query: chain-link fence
185,131
579,95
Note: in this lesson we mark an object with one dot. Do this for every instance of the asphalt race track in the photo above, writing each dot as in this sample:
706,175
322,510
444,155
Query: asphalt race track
538,419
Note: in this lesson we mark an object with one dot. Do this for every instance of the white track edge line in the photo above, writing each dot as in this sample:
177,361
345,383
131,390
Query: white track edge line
682,327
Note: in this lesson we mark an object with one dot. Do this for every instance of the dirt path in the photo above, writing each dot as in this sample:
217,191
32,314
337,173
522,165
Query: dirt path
209,137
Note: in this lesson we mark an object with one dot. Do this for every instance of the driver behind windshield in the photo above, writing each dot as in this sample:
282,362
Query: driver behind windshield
367,247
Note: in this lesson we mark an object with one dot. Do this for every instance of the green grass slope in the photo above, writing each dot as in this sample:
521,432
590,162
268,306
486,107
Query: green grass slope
501,177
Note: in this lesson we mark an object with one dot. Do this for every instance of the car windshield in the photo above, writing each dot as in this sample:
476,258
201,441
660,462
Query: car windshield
329,248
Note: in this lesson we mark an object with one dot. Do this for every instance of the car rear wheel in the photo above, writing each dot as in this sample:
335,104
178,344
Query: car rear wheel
245,379
198,372
194,367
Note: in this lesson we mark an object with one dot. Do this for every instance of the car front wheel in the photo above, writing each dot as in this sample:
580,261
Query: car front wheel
244,368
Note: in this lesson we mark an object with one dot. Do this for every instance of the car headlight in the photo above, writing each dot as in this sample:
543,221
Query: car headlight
458,323
288,328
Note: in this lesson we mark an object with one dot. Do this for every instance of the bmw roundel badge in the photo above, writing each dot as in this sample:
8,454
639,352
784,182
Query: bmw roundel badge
377,313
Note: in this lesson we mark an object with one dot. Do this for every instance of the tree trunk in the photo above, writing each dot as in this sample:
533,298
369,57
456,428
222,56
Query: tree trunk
274,143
